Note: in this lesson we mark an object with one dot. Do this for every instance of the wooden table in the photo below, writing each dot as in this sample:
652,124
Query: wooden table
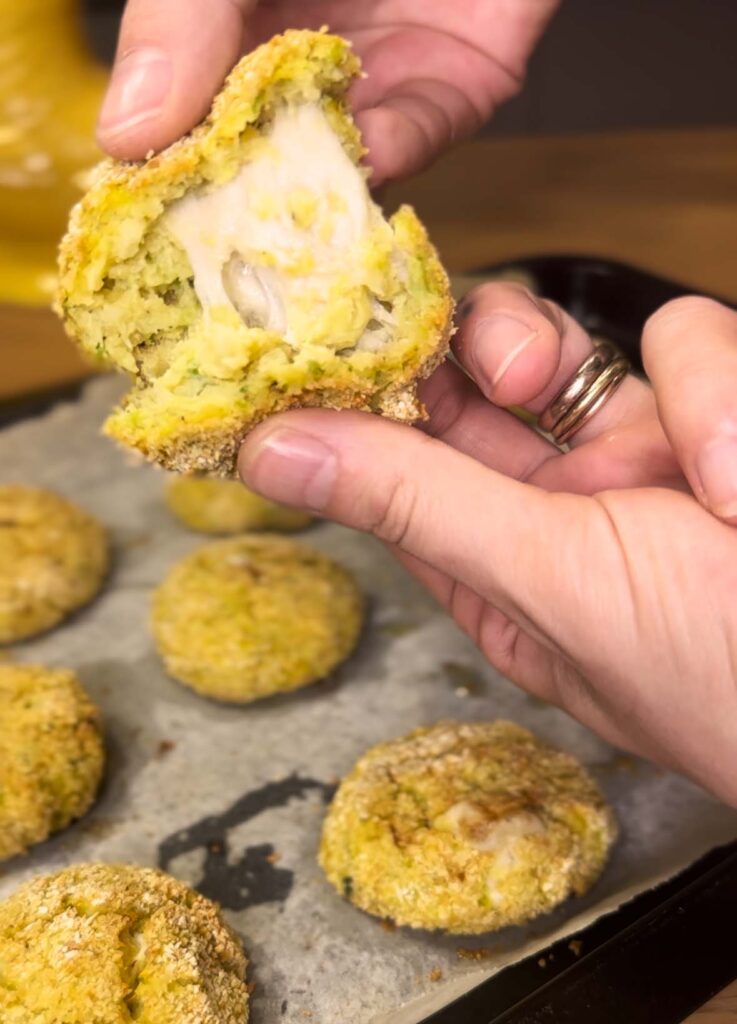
720,1010
665,201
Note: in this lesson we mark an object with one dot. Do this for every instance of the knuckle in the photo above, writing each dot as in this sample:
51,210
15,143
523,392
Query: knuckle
445,410
396,513
498,636
514,299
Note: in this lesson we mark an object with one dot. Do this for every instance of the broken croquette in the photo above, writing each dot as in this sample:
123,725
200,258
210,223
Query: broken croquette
247,270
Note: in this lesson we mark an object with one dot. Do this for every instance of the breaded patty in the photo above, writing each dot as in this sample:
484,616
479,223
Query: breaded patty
466,828
226,506
53,560
246,269
51,755
111,944
243,618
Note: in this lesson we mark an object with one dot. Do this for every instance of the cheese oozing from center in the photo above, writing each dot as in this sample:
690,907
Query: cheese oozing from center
293,242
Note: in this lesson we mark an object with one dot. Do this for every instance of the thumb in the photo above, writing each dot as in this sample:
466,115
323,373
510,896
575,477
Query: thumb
475,525
172,58
690,352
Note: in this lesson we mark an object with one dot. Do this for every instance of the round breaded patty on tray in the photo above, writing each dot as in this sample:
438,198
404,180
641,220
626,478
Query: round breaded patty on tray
465,827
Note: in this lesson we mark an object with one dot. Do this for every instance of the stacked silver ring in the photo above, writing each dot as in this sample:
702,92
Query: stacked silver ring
585,392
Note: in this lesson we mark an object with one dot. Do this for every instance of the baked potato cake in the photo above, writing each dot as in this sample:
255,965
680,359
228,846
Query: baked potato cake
251,616
246,269
465,827
210,505
51,755
111,944
53,560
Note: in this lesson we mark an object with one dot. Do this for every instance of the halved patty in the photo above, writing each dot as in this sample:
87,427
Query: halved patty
246,269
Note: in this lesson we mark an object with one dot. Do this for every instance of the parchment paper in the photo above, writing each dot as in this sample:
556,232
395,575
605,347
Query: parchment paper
231,800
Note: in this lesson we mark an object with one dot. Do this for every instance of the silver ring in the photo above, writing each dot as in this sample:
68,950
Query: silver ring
585,392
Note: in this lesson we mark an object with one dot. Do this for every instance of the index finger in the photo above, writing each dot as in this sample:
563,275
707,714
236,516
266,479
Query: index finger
522,350
172,58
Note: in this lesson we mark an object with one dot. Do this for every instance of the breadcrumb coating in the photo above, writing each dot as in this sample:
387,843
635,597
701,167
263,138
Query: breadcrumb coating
53,560
51,755
243,618
465,827
111,944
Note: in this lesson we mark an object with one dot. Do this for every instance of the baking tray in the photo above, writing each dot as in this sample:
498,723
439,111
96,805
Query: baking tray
593,978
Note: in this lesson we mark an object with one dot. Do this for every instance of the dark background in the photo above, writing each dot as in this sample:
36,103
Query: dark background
604,64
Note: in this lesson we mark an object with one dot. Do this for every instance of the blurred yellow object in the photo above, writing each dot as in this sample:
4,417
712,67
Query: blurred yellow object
50,91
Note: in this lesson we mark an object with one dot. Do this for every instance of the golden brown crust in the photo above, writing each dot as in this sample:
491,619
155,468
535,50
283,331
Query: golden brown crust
51,754
114,943
467,827
243,618
53,560
215,452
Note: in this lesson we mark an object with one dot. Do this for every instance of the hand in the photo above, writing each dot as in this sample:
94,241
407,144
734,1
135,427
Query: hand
437,68
603,579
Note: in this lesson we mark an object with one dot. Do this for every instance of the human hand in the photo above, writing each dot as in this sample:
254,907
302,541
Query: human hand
436,69
601,579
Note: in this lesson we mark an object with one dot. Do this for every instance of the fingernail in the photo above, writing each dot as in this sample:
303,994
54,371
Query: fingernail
498,340
140,84
292,468
717,469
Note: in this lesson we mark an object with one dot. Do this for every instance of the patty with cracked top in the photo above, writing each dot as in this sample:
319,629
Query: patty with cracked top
109,944
465,827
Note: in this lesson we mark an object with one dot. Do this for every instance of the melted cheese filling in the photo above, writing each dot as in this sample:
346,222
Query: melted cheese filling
500,837
294,244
